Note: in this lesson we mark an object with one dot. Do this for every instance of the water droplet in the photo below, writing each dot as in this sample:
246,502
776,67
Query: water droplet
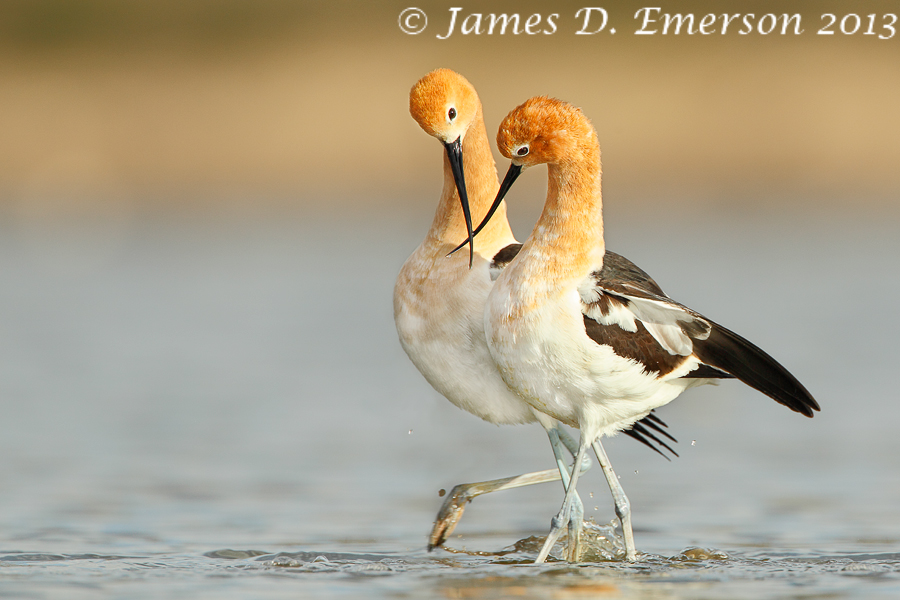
410,432
693,442
592,494
595,508
635,471
441,493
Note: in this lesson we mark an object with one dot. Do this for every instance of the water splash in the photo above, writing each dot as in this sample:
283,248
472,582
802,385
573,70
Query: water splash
695,553
599,543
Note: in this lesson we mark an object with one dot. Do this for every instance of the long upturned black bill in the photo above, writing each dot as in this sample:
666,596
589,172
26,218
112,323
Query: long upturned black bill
454,153
511,175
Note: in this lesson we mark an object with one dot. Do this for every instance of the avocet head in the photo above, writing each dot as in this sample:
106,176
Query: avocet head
541,130
445,104
545,130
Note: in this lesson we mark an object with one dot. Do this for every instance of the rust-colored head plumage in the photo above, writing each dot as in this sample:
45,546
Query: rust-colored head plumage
444,104
546,130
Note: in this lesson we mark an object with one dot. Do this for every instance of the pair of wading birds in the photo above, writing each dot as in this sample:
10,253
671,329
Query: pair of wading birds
558,329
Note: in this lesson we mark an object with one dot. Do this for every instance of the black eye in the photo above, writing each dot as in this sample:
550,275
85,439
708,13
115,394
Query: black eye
522,151
451,114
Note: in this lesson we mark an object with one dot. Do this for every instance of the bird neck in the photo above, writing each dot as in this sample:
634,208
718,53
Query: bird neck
568,236
449,225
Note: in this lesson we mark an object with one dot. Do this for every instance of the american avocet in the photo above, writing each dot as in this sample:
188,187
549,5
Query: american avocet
439,300
583,334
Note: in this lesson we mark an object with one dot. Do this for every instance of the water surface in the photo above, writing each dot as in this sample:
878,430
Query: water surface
204,407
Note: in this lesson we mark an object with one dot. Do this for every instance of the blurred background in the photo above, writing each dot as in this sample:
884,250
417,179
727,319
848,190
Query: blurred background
170,102
204,205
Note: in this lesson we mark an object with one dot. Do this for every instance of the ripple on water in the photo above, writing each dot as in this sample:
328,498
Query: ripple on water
695,572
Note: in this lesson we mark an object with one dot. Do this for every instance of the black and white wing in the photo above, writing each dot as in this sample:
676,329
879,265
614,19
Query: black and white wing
625,309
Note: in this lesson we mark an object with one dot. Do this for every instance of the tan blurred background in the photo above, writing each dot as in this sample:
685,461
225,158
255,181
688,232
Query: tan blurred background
108,103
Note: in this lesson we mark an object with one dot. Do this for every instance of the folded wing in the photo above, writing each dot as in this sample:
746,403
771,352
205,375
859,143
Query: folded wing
624,308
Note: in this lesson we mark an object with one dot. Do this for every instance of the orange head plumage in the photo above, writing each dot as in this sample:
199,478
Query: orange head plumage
546,130
444,104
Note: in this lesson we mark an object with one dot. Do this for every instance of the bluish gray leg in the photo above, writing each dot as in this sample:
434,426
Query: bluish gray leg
460,496
565,512
452,509
623,506
576,516
570,444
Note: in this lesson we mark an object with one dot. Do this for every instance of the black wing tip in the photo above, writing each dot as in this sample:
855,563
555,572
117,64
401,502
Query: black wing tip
793,395
725,350
808,407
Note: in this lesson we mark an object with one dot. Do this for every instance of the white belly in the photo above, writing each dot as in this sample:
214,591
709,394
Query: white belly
439,312
544,354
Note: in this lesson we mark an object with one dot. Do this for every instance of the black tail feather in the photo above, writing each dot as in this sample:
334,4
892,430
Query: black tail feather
633,434
639,432
657,424
728,351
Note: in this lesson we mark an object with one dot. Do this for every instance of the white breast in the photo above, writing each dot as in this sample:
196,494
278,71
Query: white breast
439,312
544,354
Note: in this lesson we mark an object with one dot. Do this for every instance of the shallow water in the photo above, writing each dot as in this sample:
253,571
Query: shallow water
200,407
